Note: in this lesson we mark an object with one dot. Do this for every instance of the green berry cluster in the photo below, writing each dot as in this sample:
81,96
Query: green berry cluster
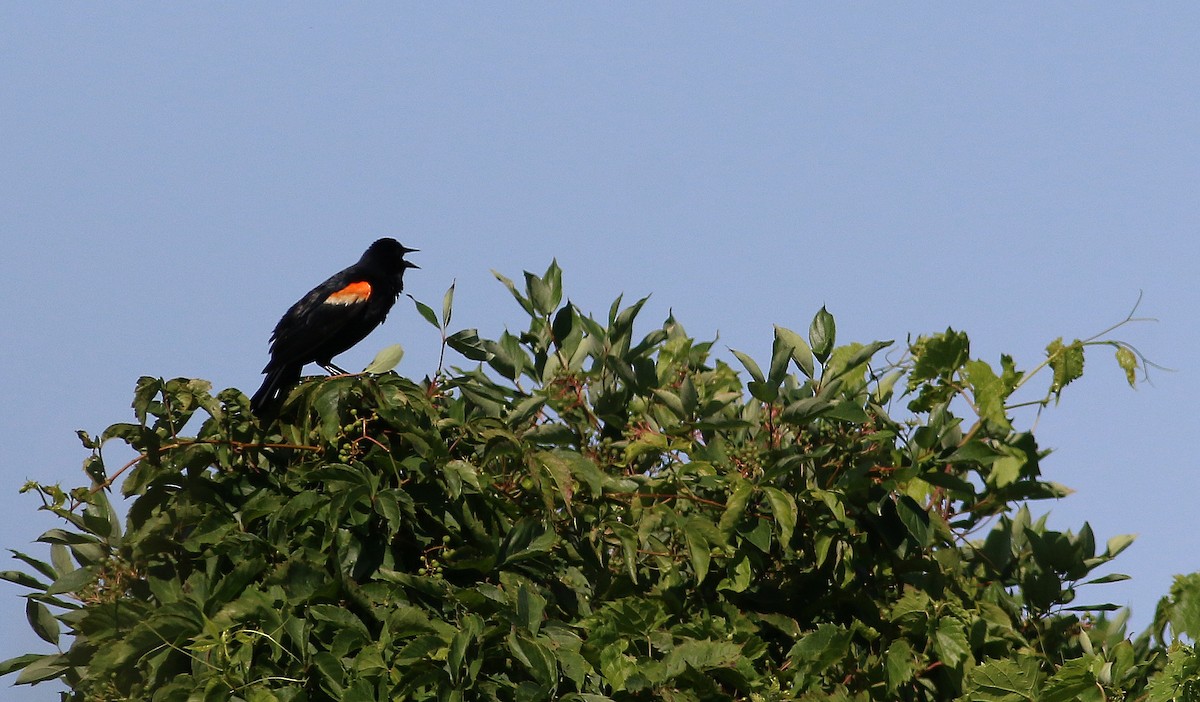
430,566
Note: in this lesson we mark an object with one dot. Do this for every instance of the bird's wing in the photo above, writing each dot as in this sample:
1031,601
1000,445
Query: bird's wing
325,311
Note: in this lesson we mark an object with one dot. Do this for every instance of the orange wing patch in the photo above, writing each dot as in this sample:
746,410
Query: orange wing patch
352,293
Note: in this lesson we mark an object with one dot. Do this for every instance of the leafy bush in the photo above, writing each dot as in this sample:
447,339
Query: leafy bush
589,515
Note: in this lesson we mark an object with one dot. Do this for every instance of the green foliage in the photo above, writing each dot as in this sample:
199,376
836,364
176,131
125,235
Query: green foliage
1180,680
585,514
1179,611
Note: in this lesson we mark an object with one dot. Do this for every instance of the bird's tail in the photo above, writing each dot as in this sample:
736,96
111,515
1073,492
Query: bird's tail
275,387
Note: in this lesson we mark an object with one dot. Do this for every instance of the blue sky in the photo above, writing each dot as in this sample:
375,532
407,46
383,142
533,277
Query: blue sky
175,175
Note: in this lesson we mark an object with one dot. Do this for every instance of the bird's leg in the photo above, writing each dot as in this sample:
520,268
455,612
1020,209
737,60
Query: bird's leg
333,370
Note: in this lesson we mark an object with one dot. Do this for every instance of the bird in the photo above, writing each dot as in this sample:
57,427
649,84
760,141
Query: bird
332,317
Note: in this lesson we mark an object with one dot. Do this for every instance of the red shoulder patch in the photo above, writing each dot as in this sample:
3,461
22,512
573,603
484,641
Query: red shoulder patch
352,293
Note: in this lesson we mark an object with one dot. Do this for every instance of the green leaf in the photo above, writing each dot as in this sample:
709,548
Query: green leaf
900,663
507,356
328,401
101,508
1185,605
623,322
950,641
672,401
805,410
820,649
1110,578
616,667
332,673
735,507
72,582
1128,362
470,627
417,650
886,387
784,624
852,356
783,506
22,578
551,433
821,334
990,394
1005,471
1005,680
87,441
426,311
1066,361
17,663
847,412
460,472
530,609
560,472
359,691
1118,544
468,343
751,367
802,355
539,294
553,279
975,451
512,288
526,540
387,359
1073,682
647,443
144,393
766,392
40,566
915,519
739,578
695,533
44,668
938,356
700,656
535,657
42,621
629,546
563,324
60,556
688,397
781,355
448,305
341,619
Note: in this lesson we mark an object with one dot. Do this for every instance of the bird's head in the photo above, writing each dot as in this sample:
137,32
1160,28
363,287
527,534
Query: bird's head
389,253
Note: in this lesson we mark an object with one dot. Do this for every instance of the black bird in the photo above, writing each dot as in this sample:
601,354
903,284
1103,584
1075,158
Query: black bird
332,317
